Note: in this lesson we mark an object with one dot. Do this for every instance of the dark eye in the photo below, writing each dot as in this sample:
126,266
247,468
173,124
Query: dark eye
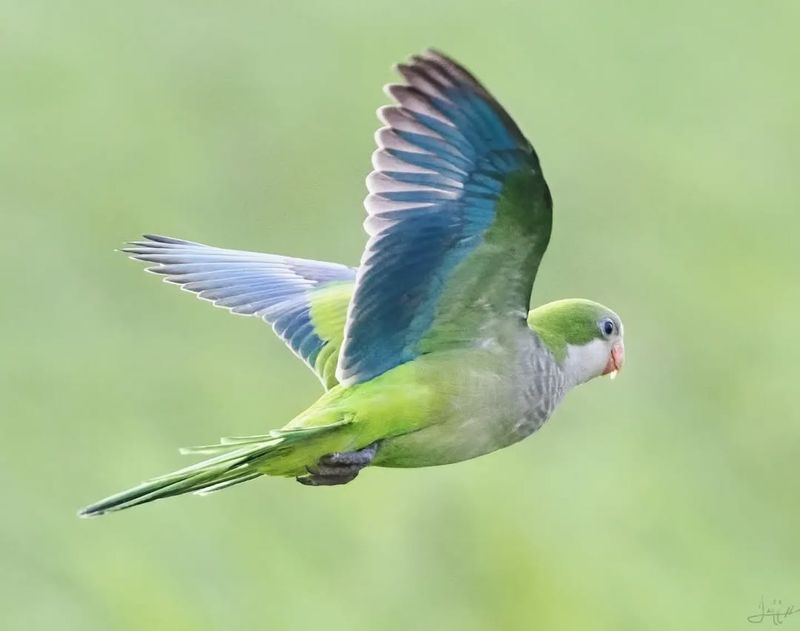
607,326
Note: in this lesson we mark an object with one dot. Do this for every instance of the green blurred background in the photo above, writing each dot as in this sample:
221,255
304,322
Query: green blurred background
670,136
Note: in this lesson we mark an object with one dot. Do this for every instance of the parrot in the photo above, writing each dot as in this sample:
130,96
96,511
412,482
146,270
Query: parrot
428,352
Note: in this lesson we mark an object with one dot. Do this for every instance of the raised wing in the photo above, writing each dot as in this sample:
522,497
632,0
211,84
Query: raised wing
305,301
459,216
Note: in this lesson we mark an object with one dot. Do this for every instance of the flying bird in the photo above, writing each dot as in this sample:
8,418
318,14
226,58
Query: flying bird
427,351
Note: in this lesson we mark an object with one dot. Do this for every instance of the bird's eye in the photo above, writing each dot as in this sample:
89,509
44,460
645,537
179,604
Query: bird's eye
607,326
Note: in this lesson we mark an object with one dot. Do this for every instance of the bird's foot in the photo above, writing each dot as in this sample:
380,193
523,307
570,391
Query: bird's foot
340,467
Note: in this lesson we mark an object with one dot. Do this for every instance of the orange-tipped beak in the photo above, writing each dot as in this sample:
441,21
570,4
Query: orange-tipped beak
615,360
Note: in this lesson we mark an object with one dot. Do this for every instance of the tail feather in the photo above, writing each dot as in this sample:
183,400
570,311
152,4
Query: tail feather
238,463
225,484
225,445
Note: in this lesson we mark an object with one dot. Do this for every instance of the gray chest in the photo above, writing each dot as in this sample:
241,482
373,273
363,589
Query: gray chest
537,393
497,400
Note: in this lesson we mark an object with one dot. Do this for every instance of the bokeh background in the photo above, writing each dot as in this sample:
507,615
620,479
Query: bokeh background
670,136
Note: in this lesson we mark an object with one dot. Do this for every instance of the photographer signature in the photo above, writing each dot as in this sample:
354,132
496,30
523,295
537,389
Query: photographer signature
778,613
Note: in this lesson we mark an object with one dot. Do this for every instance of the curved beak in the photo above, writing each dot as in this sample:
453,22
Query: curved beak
615,360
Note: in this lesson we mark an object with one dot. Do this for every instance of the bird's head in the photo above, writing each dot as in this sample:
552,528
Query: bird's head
585,337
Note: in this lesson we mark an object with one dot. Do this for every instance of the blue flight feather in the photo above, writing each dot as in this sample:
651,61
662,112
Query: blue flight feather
275,288
441,164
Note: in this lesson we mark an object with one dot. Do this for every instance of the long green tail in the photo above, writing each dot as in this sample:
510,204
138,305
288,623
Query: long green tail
239,459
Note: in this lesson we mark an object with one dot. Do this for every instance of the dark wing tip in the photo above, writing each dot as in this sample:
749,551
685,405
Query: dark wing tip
431,52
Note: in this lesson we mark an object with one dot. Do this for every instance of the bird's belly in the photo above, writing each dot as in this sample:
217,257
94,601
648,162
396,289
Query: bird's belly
480,400
466,434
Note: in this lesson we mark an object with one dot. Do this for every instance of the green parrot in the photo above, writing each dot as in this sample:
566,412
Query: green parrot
427,351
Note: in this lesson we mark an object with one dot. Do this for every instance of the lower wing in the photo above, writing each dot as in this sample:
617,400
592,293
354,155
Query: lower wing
305,301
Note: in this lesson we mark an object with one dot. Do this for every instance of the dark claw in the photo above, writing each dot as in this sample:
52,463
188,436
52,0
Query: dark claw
339,468
332,470
326,480
360,458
